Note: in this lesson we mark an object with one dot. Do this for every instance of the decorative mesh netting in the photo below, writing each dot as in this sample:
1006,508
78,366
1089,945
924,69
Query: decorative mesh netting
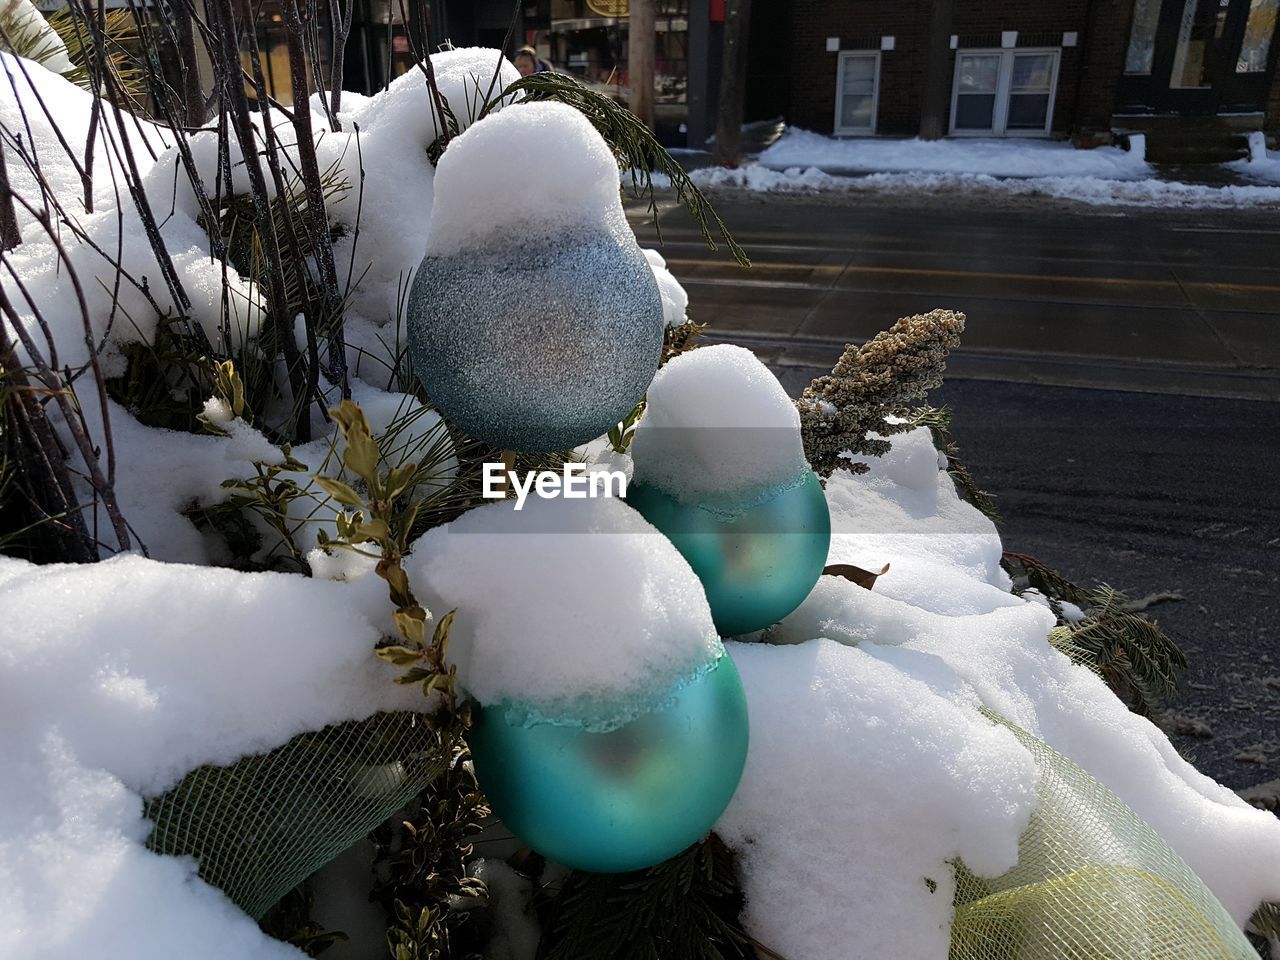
260,826
1092,882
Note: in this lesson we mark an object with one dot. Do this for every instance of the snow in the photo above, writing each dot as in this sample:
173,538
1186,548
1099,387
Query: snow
22,17
867,770
599,614
939,634
993,157
1263,164
117,678
382,154
565,181
1095,191
675,301
717,424
45,94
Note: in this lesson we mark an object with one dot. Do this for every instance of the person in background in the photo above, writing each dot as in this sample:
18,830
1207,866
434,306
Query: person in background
526,60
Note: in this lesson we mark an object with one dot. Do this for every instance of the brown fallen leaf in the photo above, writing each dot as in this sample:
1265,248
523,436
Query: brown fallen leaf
863,578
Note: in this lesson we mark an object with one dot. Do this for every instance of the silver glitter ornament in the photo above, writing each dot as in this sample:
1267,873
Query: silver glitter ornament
537,347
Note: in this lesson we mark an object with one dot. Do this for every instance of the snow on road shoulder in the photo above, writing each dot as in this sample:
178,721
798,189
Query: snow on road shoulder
803,162
1262,164
1095,191
993,157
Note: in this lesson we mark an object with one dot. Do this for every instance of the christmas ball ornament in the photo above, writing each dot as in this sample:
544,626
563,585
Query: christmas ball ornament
720,469
534,322
620,799
756,563
610,726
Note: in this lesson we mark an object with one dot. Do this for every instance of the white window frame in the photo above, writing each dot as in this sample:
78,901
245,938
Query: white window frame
875,95
1004,80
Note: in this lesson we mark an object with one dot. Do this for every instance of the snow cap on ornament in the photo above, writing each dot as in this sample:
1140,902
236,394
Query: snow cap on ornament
610,728
718,424
534,321
720,469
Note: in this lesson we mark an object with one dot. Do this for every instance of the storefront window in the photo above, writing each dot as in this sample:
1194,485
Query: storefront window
593,47
1142,38
1199,33
1258,31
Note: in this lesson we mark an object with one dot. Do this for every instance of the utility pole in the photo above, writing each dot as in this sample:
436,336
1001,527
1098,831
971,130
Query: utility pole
640,37
733,82
936,105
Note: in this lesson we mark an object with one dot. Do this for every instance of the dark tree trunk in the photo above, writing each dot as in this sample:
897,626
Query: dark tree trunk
640,36
936,104
733,83
193,100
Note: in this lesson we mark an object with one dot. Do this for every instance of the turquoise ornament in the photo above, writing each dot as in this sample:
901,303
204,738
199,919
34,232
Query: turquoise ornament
757,561
537,347
623,799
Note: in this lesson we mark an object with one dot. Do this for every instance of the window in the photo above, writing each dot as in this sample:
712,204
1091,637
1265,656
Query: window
1004,92
1142,37
1257,36
857,88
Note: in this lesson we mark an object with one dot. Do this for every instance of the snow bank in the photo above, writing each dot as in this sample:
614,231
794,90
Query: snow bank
598,615
117,678
1095,191
565,181
717,424
942,632
867,770
1262,164
47,95
994,157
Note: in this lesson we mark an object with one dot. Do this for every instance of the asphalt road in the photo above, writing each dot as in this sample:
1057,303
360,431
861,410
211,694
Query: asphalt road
1116,390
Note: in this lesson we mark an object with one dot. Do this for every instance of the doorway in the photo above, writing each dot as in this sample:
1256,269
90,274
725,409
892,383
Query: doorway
1199,57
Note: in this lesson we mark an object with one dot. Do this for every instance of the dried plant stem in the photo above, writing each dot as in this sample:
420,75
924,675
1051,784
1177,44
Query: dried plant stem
43,451
10,236
317,221
226,27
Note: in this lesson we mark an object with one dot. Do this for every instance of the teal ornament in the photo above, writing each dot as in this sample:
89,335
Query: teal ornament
626,798
540,346
757,560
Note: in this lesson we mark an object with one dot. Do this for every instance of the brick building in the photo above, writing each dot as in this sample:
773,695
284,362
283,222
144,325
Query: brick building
1194,75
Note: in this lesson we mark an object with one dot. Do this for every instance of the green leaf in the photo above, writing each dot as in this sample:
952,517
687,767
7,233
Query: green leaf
399,655
398,480
375,530
339,491
440,637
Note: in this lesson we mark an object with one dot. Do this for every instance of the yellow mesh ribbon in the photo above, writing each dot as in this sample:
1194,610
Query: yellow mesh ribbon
1092,882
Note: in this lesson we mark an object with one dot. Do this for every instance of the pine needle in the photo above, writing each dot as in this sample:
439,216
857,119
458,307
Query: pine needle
683,909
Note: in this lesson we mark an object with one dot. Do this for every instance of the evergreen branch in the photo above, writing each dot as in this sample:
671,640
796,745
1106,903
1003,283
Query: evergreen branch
683,909
117,31
1028,572
632,143
1138,660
